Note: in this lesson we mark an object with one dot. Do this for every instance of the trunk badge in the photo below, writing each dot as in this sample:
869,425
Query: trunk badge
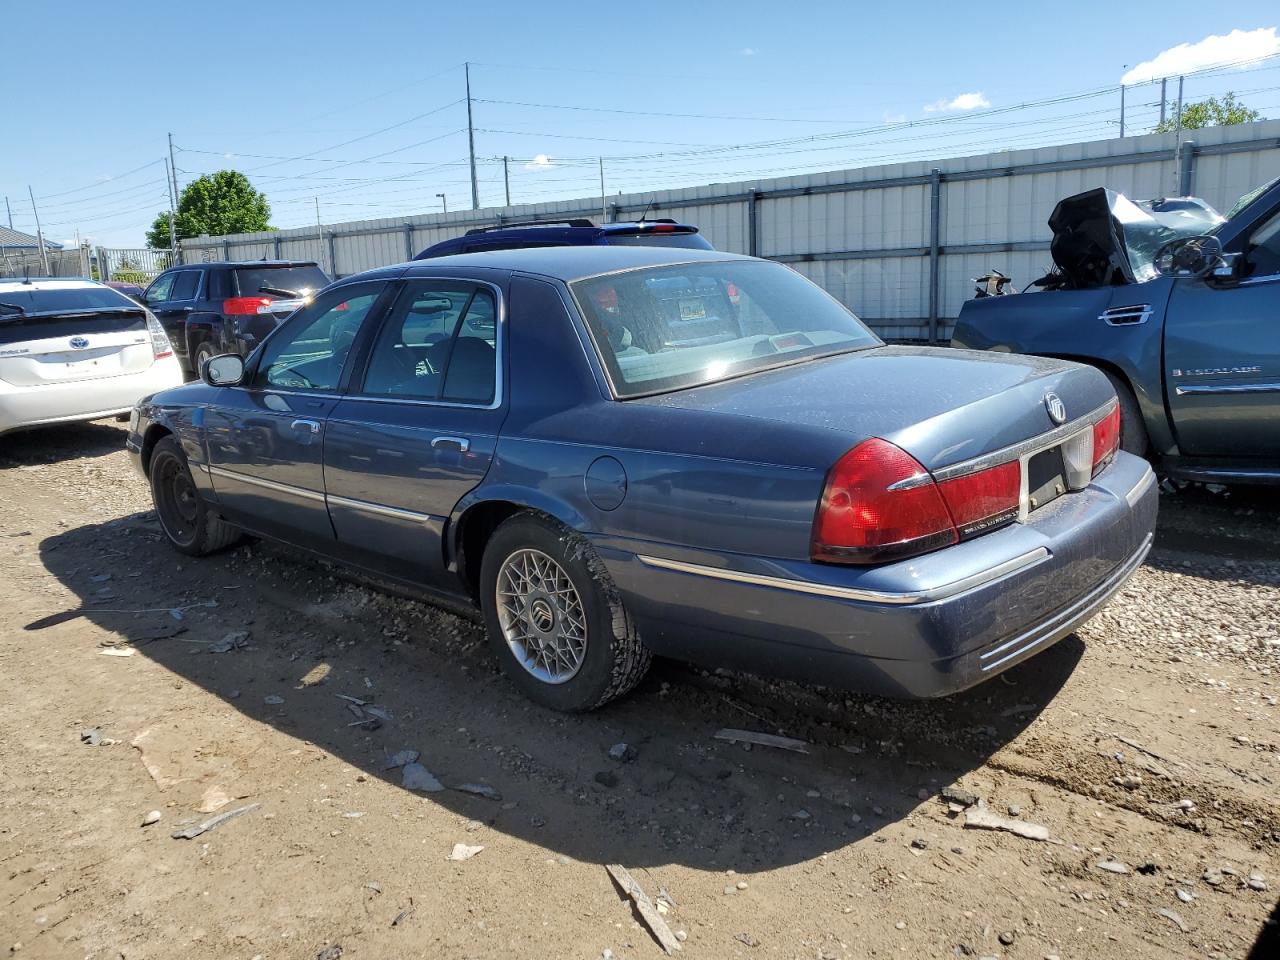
1057,409
79,342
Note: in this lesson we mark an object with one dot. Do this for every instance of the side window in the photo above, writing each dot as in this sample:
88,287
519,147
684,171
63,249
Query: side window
438,343
160,289
1263,254
215,285
184,287
310,353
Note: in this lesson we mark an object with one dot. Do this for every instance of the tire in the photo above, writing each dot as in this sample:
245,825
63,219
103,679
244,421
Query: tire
187,523
203,352
602,655
1133,429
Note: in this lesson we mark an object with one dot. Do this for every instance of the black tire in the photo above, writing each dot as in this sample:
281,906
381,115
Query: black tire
1133,429
203,352
188,524
614,659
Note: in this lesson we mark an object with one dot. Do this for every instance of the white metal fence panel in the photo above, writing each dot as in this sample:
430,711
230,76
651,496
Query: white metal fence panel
898,243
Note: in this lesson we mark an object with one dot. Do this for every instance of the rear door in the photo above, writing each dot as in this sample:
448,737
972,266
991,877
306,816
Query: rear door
265,438
1222,355
419,427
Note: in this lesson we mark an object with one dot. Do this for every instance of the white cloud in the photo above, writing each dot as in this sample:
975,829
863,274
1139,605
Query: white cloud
540,162
965,101
748,51
1236,46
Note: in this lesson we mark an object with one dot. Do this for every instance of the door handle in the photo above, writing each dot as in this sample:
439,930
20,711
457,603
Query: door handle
307,424
462,443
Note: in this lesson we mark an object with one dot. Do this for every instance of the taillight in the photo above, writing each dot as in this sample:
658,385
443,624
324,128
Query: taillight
241,306
160,345
879,504
1106,439
982,500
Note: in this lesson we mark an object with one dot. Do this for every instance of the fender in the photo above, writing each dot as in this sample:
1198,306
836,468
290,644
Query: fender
522,497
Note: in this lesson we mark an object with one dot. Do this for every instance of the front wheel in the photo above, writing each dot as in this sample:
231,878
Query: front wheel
554,617
187,522
1133,429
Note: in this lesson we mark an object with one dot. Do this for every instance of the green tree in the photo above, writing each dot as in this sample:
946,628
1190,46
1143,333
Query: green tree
1210,113
216,204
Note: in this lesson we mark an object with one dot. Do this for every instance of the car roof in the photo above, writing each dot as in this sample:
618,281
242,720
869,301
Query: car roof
571,263
49,283
248,263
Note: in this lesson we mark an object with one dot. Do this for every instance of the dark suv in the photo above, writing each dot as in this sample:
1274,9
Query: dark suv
570,233
212,308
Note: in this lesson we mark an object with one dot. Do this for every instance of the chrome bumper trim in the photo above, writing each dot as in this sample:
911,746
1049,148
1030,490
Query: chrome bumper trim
1028,559
1140,488
1201,389
302,492
380,509
1066,619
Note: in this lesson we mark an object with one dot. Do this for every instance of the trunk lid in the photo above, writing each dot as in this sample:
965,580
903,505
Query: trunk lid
38,349
941,405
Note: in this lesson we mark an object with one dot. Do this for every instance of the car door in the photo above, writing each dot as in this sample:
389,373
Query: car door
265,437
418,428
158,297
1222,355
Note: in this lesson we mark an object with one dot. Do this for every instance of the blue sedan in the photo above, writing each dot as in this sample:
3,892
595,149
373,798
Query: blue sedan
620,452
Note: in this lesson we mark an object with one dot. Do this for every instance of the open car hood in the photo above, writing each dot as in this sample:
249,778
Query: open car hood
1102,238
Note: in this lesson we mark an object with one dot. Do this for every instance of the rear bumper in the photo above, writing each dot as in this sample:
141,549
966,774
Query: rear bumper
924,627
25,407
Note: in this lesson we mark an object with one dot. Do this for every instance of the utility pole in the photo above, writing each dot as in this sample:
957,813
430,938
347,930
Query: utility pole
319,231
1179,122
506,177
604,210
1163,82
173,171
471,142
444,202
9,210
173,215
1122,110
44,254
1177,135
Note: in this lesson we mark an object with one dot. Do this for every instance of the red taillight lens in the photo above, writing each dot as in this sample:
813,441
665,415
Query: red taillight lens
879,504
980,501
160,345
242,306
1106,439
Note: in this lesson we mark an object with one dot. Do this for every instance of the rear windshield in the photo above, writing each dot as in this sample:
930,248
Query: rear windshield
690,241
303,280
666,328
34,300
117,318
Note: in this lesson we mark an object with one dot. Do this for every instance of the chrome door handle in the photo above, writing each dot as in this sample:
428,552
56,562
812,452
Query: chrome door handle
462,443
311,425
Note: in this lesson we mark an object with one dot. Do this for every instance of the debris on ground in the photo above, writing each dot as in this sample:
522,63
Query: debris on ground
980,818
622,752
479,790
957,794
236,640
644,906
746,939
462,851
273,700
190,833
331,952
400,758
762,739
404,914
153,816
92,736
117,651
213,799
1173,917
1111,866
417,777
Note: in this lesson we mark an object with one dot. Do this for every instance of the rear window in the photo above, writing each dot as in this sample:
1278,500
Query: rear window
302,279
667,328
690,241
119,314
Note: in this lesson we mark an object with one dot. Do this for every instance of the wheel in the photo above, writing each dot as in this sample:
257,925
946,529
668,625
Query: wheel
203,352
554,617
185,519
1133,430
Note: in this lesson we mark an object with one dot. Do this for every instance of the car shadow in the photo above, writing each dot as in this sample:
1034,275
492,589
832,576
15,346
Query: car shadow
28,449
294,644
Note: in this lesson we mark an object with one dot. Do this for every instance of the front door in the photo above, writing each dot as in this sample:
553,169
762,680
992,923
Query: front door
418,428
1222,356
265,438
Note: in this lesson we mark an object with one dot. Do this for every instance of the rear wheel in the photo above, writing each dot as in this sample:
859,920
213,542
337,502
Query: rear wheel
1133,430
186,521
554,617
203,352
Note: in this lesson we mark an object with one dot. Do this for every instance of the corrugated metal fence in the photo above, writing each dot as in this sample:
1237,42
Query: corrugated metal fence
898,243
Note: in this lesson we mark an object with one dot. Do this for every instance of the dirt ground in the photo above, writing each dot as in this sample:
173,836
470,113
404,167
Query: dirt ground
1148,746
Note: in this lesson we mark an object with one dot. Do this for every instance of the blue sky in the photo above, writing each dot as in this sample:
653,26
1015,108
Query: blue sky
361,104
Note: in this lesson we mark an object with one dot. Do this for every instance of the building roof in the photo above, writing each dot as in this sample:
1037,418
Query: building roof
16,238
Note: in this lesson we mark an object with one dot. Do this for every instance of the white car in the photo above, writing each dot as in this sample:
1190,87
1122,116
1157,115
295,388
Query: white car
76,350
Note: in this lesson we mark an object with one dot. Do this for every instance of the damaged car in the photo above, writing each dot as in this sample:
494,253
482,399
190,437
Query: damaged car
1179,306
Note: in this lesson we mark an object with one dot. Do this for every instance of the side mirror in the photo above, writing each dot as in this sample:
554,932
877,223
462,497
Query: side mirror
224,371
1190,257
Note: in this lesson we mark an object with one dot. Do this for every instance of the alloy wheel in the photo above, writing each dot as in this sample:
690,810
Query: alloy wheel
541,616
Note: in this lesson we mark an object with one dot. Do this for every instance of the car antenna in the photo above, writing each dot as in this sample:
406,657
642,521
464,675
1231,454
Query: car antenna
26,273
645,212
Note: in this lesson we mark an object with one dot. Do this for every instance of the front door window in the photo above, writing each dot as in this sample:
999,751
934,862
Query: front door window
311,352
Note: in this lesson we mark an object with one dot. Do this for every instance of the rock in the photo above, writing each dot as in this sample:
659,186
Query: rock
275,701
606,778
801,815
730,890
1213,878
1185,895
741,884
900,925
400,758
920,843
681,936
92,736
235,640
854,820
1257,882
977,818
1015,810
151,817
479,790
417,777
1173,917
1185,804
747,939
957,794
1111,866
1128,782
463,852
622,753
331,952
1006,937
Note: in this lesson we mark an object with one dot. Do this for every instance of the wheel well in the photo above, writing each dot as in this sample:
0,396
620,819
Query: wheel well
475,527
1101,365
155,433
